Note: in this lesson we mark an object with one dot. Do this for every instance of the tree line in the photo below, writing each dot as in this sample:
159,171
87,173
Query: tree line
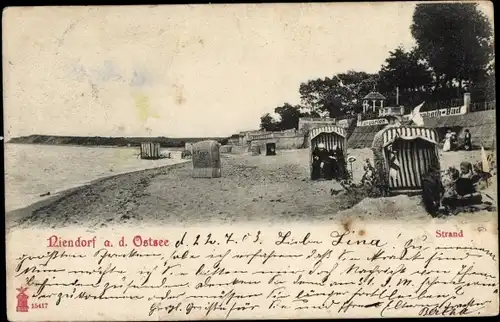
454,53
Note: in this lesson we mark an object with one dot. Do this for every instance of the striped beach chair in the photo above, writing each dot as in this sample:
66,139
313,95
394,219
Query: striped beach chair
403,155
331,136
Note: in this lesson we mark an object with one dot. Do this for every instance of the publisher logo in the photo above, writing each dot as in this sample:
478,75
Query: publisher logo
22,300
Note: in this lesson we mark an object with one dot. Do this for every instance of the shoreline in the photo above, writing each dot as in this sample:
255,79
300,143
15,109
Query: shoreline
13,216
174,148
108,141
257,190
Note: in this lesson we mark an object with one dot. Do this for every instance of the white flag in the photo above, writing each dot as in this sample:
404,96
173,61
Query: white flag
416,117
484,160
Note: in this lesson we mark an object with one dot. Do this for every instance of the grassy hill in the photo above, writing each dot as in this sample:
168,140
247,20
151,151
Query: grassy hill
107,141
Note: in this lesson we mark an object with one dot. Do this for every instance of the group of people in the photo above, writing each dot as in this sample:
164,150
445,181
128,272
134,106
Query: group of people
461,190
451,141
328,164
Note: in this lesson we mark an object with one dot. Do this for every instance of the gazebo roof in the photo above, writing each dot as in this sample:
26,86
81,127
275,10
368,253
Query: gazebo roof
374,96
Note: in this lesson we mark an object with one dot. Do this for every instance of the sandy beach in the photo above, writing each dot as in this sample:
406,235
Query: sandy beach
264,189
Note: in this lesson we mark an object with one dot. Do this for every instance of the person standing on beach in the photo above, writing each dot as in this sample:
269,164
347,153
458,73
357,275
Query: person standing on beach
454,141
333,164
467,140
339,153
316,169
447,141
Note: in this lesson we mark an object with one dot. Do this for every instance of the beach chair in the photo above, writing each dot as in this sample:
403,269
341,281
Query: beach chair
206,159
330,136
271,148
255,149
402,155
150,151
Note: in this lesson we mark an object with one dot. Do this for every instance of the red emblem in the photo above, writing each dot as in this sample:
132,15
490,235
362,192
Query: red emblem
22,300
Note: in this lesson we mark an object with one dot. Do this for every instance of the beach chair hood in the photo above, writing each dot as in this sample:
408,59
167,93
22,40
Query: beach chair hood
327,129
337,136
389,134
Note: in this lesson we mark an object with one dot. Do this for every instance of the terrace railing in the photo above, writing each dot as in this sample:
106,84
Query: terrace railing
318,119
274,135
369,115
385,111
482,106
431,106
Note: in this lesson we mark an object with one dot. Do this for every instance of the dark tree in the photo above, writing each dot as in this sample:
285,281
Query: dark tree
408,72
320,95
289,116
267,123
456,41
337,96
359,84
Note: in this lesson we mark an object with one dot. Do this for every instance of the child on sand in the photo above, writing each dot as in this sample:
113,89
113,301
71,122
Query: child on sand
369,172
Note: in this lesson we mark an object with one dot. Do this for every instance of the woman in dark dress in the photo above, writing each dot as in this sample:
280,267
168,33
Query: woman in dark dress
323,161
454,141
467,140
432,190
339,153
315,164
334,167
326,167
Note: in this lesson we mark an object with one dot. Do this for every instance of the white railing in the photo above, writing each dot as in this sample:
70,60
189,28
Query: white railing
391,111
274,135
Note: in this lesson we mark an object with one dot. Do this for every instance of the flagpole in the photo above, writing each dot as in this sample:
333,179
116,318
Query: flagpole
397,96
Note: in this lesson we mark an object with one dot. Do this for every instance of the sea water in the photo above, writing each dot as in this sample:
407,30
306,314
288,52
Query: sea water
33,170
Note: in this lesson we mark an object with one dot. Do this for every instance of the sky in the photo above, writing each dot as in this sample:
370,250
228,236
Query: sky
181,71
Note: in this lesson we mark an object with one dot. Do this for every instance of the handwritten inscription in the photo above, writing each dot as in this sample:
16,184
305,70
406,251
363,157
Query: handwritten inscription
239,275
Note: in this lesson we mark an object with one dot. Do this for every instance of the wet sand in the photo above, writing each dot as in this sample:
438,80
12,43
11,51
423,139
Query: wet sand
264,189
